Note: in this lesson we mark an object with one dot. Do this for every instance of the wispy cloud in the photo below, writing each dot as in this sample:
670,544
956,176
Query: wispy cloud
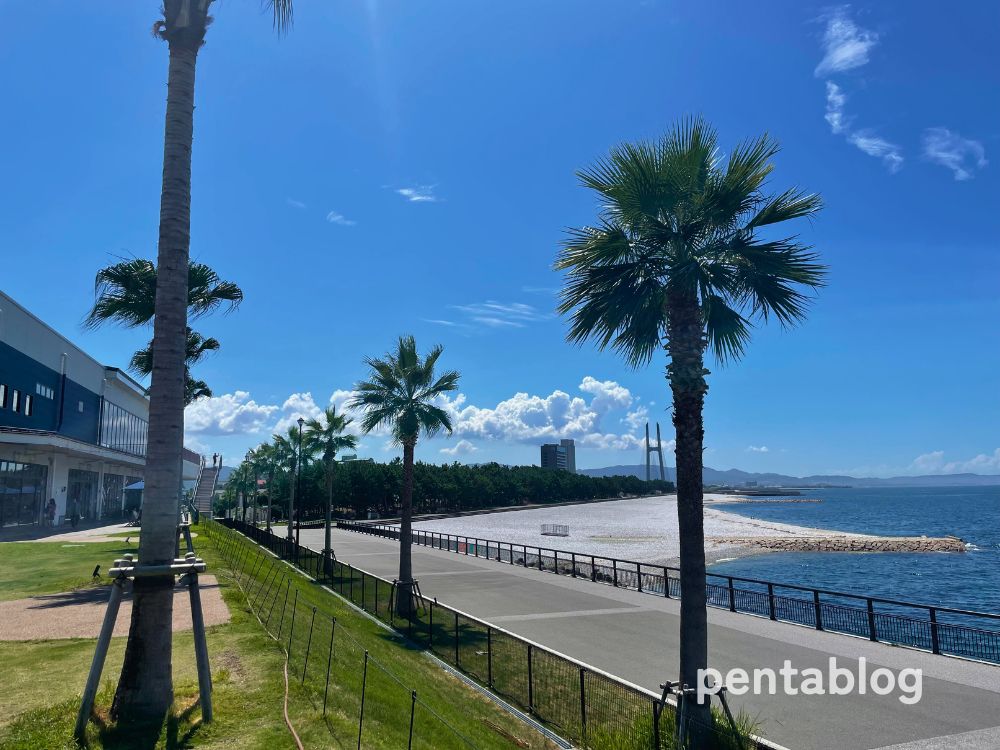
502,315
873,145
845,44
758,449
963,156
540,289
294,203
836,99
337,218
418,194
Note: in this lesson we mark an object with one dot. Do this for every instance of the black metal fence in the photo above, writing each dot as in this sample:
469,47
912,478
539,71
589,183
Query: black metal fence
590,707
355,689
940,630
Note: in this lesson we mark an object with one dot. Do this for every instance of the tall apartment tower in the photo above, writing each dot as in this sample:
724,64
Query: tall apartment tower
561,456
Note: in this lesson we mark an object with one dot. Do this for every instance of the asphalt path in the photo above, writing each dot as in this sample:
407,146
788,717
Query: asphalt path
634,636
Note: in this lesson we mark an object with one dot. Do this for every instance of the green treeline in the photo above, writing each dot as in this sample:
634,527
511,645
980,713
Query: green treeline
363,486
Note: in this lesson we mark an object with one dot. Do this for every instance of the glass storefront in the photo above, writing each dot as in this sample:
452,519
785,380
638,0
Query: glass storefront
22,493
111,496
81,496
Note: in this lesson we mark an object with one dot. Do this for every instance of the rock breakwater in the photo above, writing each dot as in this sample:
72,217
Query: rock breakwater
851,543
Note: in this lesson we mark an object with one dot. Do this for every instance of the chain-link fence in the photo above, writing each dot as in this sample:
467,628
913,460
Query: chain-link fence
940,630
587,706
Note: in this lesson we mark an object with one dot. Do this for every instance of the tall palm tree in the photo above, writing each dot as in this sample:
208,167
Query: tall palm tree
327,437
286,453
266,465
197,347
145,689
676,261
400,396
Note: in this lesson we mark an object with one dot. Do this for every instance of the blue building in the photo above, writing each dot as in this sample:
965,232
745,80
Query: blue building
71,428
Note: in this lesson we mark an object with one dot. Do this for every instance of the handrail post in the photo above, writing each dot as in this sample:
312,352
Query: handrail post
593,568
614,571
540,566
732,595
638,575
818,610
935,642
770,601
666,582
572,558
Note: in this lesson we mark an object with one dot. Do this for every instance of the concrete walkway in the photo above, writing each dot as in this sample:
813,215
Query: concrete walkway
635,636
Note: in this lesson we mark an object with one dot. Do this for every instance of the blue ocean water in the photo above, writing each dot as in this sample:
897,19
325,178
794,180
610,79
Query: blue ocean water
965,581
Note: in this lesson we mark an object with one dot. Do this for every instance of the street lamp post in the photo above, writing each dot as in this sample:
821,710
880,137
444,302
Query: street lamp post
246,483
298,479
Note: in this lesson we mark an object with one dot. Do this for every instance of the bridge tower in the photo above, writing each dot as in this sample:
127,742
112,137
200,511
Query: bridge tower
657,449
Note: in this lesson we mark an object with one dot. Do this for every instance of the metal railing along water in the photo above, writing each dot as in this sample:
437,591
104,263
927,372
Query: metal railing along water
584,704
940,630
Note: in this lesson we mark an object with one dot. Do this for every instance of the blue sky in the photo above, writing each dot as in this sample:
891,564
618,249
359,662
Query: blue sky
393,167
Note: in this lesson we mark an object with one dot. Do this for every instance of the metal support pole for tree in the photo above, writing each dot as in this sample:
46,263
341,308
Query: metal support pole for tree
364,686
309,641
329,661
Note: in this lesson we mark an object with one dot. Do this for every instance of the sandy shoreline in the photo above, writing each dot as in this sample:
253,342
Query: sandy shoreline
642,529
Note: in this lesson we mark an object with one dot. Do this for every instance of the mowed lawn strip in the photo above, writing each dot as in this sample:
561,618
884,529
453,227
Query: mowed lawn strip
43,679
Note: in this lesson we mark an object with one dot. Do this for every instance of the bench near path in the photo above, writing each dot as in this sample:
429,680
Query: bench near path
634,636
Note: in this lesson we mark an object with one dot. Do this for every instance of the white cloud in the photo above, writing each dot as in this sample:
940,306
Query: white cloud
835,101
295,406
935,463
418,194
874,145
230,414
963,156
461,448
526,418
845,44
336,218
758,449
636,420
493,314
294,203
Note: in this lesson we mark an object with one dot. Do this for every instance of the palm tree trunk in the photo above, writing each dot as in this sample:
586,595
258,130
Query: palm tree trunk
145,689
404,589
270,490
686,374
327,521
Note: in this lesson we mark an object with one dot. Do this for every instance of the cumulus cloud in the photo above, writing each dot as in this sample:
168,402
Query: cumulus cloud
873,145
963,156
935,463
295,406
461,448
527,418
845,44
230,414
758,449
836,99
337,218
418,194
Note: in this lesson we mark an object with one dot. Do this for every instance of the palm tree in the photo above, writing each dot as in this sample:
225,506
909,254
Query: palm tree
197,347
676,261
327,437
286,454
145,689
266,465
400,395
125,292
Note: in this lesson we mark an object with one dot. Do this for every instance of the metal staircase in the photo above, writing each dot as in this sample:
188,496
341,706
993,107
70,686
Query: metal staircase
205,490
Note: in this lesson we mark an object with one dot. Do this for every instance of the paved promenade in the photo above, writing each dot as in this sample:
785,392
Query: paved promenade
635,636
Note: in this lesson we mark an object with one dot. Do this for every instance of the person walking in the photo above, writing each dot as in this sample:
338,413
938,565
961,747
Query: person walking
50,512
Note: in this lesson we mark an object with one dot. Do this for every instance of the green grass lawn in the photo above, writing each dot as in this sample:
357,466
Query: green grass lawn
43,679
33,568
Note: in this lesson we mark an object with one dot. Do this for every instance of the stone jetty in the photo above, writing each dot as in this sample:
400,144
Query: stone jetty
846,543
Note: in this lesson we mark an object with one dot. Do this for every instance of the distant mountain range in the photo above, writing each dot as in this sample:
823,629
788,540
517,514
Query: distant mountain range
736,477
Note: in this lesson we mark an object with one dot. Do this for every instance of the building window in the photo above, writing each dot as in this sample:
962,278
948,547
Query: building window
15,400
80,407
3,396
44,391
27,405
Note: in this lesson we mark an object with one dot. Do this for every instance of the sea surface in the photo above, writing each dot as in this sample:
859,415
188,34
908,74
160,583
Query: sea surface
964,581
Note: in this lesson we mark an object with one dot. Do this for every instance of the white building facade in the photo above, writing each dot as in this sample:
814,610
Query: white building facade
71,428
